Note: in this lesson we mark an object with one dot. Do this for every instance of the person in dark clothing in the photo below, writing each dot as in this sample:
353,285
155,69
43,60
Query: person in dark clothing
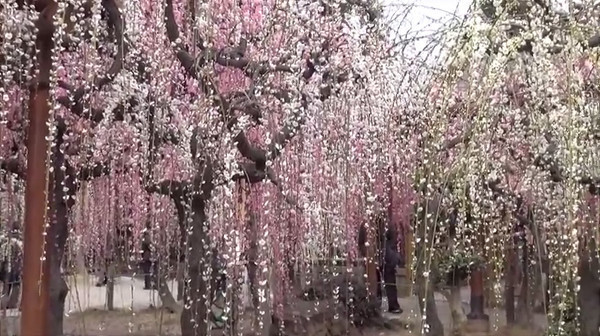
391,259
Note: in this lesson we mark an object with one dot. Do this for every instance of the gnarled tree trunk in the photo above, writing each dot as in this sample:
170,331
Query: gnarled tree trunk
524,307
425,293
194,318
509,286
425,278
63,189
457,312
58,290
588,297
166,297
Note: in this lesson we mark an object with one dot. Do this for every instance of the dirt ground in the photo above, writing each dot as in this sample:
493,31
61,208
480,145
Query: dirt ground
155,322
135,315
149,322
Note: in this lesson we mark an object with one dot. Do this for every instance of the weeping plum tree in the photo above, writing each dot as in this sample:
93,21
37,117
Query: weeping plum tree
265,74
33,31
230,72
516,125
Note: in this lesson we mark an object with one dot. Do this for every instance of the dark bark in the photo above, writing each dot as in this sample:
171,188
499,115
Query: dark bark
62,188
425,294
252,259
110,287
524,307
509,287
181,220
166,297
425,286
195,312
180,281
588,296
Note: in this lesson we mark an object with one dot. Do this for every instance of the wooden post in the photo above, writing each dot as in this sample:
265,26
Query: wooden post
371,262
35,300
408,257
477,301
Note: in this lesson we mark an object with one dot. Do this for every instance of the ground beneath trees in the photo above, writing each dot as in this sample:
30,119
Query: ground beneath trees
136,313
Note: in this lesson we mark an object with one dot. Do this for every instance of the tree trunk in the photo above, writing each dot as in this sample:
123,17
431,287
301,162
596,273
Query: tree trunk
425,293
180,280
194,318
63,192
455,303
58,287
265,312
425,277
10,296
524,308
166,297
181,221
107,271
110,287
252,268
58,295
588,298
509,287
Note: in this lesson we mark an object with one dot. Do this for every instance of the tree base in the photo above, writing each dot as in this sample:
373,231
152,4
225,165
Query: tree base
476,325
477,304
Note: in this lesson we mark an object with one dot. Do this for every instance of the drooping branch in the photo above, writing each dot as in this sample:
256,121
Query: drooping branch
167,188
275,181
289,130
185,58
249,172
74,99
547,161
96,115
234,57
463,138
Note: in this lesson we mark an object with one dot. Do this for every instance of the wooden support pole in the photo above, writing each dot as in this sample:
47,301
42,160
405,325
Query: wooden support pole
372,264
408,256
477,304
35,301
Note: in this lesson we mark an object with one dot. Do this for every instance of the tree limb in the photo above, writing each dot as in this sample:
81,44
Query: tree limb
252,153
251,174
97,115
547,161
463,138
74,99
167,188
288,131
273,178
227,56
